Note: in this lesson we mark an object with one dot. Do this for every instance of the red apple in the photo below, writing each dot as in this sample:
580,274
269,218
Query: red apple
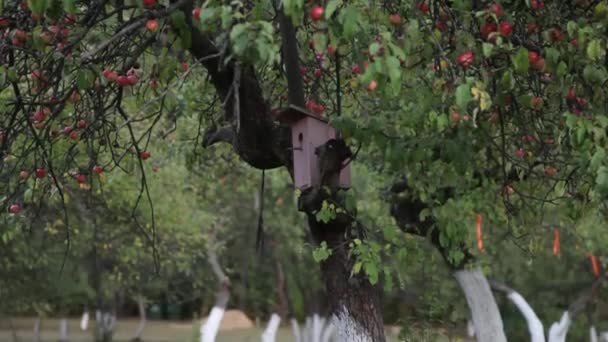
110,75
98,169
394,19
531,27
67,130
556,35
14,209
152,25
74,135
155,168
520,152
355,70
571,94
39,116
184,66
487,29
550,171
455,116
316,13
533,57
144,155
505,28
372,85
423,7
466,59
196,13
537,4
40,172
496,8
123,81
318,73
82,124
80,178
149,3
24,174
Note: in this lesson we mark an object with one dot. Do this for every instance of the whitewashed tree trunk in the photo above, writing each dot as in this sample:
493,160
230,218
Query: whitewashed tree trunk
481,302
592,334
559,330
105,323
210,328
270,333
535,326
36,330
604,337
84,321
328,332
295,328
141,305
63,330
470,328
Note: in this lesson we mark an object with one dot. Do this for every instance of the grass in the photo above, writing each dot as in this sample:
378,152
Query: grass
155,331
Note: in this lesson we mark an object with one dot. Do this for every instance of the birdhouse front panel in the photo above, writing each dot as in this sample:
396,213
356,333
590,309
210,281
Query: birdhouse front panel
309,133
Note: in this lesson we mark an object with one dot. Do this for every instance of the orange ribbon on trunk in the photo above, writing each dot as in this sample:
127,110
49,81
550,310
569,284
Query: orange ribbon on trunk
555,241
479,234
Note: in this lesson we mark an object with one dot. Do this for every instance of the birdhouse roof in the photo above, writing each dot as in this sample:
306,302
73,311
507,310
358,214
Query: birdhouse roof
293,114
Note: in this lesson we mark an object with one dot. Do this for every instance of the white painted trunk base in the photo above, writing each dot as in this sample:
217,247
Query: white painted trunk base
315,329
295,329
484,311
592,334
348,329
210,328
559,330
535,326
63,330
270,333
36,332
84,321
141,305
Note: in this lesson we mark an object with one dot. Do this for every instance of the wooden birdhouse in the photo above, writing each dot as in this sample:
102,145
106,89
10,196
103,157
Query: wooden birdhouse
309,131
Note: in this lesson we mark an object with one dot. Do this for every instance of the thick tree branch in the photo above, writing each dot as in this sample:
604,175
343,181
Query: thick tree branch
260,141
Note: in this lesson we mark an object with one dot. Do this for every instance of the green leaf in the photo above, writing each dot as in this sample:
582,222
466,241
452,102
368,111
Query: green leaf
463,96
84,79
331,7
598,158
374,48
594,50
371,269
487,49
520,61
69,6
357,267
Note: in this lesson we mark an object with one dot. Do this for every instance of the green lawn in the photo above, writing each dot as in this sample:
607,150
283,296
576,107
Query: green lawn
156,331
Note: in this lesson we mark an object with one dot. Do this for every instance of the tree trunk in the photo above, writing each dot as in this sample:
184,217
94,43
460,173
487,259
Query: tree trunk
141,305
484,311
559,330
592,334
270,333
84,321
355,303
295,328
105,322
63,330
36,331
13,330
212,325
535,326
